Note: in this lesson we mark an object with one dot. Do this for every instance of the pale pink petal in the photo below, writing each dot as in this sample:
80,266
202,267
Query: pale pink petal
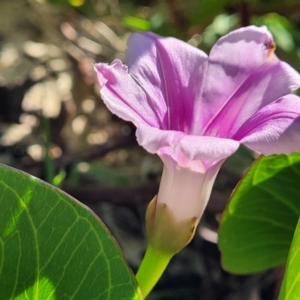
185,149
124,97
154,139
275,128
270,81
184,191
159,84
233,61
171,72
207,148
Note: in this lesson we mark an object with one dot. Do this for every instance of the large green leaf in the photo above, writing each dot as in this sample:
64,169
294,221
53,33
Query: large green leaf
258,225
290,288
53,247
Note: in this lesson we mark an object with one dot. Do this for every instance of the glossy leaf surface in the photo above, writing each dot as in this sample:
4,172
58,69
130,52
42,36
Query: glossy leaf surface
259,223
53,247
290,288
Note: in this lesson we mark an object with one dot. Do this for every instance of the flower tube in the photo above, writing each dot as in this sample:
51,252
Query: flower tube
194,111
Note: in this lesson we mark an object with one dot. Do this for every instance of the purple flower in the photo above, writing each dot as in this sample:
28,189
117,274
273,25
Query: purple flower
194,110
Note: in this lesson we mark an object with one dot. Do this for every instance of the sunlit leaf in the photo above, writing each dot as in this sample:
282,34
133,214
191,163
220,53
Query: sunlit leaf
290,288
258,225
53,247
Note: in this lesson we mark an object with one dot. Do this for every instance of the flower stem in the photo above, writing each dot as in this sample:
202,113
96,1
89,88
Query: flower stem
152,267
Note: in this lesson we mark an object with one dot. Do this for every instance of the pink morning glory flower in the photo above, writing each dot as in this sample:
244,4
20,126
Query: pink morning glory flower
194,110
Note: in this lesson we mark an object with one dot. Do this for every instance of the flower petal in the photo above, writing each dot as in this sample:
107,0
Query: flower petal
170,72
194,152
184,191
275,128
160,85
207,148
243,76
125,97
270,81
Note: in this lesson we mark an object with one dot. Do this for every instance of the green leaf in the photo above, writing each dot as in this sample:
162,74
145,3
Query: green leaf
259,223
136,23
290,288
53,247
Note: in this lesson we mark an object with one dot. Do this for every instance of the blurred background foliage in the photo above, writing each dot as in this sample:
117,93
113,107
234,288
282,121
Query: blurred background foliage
54,125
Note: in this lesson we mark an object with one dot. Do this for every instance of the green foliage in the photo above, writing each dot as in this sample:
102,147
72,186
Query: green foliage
59,178
136,23
290,288
259,223
52,247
